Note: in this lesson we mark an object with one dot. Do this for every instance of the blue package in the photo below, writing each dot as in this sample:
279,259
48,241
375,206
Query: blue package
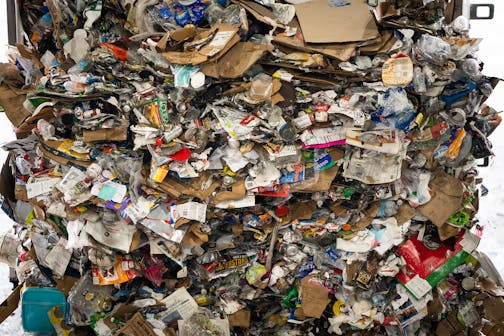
456,91
323,162
306,269
291,177
182,15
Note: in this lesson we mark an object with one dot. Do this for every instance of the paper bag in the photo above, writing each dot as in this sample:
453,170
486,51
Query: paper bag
314,298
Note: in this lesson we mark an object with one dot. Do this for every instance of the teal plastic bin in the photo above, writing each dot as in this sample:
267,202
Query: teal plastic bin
35,303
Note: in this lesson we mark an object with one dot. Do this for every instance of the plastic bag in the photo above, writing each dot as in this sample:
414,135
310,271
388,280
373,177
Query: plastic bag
432,49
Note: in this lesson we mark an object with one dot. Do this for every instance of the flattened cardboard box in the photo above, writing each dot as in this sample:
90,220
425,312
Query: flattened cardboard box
350,23
341,51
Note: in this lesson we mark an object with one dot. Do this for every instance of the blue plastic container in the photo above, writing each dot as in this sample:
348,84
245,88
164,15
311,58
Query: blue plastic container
35,303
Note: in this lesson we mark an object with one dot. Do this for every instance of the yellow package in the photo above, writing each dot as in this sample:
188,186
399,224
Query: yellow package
57,318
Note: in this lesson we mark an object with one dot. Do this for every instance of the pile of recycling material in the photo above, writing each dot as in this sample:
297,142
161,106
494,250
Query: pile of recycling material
247,168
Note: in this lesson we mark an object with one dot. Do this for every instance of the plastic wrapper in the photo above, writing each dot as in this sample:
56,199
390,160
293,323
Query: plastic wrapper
432,49
86,300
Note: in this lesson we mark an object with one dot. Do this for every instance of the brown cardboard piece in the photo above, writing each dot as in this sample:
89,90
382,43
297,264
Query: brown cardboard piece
347,23
404,213
194,236
368,216
449,326
12,94
435,306
236,61
65,285
489,286
225,37
351,270
137,326
120,313
240,319
341,51
10,304
237,192
31,54
386,10
26,127
324,182
106,134
302,210
493,330
493,308
447,199
383,44
314,298
178,35
178,189
446,231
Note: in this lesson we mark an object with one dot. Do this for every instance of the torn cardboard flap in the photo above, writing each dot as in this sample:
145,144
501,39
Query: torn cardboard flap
382,45
385,10
238,191
10,304
46,113
342,52
302,210
447,199
314,298
494,308
194,236
179,189
12,94
347,23
446,231
260,13
223,39
404,213
178,35
106,134
236,61
240,319
367,217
